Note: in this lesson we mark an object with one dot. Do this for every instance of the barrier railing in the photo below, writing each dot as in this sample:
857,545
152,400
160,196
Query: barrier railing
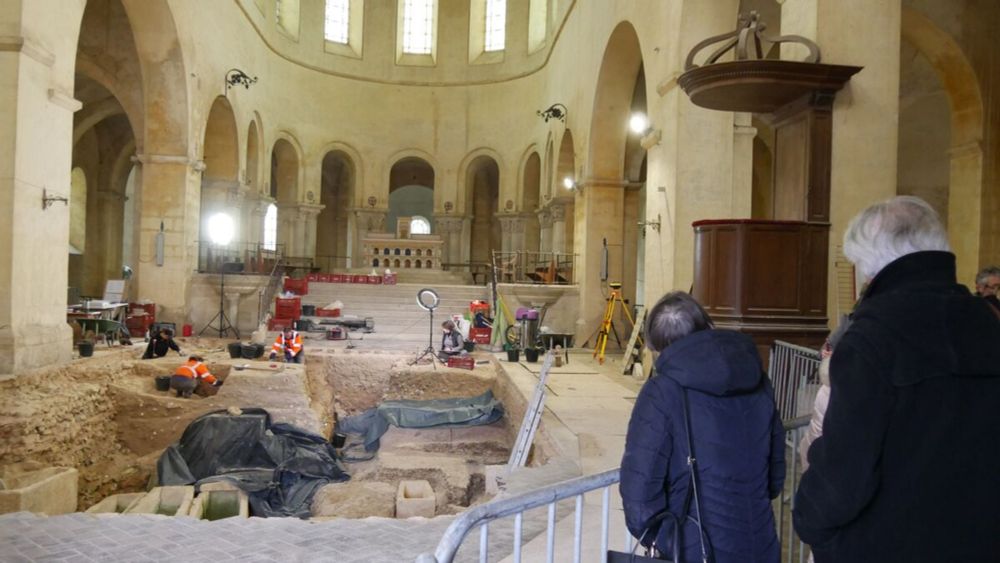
524,266
794,373
237,258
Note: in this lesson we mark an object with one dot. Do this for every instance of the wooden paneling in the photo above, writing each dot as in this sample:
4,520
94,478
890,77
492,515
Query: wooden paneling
791,168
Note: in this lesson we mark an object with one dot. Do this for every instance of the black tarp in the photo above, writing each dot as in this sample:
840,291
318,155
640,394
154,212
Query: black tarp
466,411
279,465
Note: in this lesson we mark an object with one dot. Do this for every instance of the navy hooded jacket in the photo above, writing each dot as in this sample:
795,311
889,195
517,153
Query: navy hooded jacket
738,441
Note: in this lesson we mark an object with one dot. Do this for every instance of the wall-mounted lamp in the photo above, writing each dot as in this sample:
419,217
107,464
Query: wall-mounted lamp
570,184
372,200
639,124
48,200
555,111
236,76
648,223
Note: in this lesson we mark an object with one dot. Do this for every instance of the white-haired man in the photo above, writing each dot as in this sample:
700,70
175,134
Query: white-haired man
988,286
906,469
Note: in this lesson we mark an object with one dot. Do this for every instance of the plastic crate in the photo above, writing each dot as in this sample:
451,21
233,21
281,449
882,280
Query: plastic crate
327,312
323,278
479,306
148,308
481,335
463,362
389,279
298,287
313,277
278,324
138,325
338,278
375,280
287,307
359,278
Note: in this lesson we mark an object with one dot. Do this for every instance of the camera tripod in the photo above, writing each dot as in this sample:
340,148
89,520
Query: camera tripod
608,323
429,350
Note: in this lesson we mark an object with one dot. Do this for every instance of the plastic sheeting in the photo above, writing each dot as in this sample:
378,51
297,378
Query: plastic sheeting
279,465
467,411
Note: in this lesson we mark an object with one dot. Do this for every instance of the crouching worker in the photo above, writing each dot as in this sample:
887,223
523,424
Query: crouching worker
186,377
452,343
160,344
288,343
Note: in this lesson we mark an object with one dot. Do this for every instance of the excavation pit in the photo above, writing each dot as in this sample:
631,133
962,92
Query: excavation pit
104,417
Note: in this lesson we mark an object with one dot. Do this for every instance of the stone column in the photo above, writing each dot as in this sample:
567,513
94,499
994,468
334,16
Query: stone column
450,229
743,135
309,213
507,232
170,183
557,213
36,132
544,230
366,220
287,218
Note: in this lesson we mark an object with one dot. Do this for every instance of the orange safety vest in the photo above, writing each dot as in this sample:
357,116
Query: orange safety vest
195,370
293,344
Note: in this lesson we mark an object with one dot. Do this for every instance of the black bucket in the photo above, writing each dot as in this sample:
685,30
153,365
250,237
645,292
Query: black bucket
163,383
469,346
252,351
308,310
302,325
86,349
531,355
235,349
338,440
513,355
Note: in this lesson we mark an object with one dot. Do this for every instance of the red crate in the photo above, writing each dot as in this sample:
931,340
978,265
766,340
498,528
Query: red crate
312,277
327,312
463,362
323,278
389,279
478,306
481,335
287,307
298,287
138,325
377,280
278,324
359,278
338,278
137,308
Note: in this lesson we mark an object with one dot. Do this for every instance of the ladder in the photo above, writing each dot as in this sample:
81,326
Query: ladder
532,416
633,352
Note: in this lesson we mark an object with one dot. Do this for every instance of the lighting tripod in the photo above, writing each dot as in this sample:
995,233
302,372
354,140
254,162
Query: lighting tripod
607,323
224,325
428,300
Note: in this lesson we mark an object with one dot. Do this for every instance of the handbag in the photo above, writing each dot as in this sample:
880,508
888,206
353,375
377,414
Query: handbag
632,557
622,557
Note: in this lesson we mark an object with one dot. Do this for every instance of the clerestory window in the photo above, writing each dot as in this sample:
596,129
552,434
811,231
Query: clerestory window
337,26
496,25
418,26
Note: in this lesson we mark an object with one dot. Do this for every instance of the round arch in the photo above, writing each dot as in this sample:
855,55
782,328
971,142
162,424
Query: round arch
968,215
338,181
616,83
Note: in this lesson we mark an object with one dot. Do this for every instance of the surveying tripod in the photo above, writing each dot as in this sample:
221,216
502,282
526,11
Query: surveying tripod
607,323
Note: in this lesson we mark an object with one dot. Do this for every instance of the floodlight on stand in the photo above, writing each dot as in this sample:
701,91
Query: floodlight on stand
221,230
428,300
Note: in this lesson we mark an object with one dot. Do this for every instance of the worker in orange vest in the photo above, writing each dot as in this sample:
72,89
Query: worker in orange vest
186,377
288,342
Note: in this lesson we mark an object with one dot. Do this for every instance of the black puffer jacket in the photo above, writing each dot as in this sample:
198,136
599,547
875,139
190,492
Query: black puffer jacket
908,467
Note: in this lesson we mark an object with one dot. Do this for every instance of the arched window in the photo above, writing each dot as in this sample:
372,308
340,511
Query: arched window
271,228
420,225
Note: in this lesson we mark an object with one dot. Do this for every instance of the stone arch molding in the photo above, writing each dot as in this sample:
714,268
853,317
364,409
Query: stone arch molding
382,189
298,196
965,187
463,196
354,156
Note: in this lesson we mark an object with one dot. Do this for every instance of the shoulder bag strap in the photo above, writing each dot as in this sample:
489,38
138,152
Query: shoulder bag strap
693,489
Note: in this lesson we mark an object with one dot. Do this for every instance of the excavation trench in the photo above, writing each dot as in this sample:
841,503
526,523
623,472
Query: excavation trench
104,416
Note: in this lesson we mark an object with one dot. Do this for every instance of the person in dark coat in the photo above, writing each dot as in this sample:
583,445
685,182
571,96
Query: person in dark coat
906,469
737,436
160,344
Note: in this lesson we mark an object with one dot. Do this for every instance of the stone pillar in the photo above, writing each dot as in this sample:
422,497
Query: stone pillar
287,218
367,220
170,186
603,203
308,214
545,230
508,224
449,228
966,206
557,213
37,59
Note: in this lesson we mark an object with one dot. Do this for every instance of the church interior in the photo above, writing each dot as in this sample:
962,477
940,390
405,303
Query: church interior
538,171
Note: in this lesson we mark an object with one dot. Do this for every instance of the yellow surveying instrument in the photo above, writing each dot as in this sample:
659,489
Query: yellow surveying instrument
607,323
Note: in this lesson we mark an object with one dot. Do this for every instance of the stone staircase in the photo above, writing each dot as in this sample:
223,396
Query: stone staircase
400,324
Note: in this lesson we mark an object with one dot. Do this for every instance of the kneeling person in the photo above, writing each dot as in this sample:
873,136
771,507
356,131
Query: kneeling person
160,344
288,343
186,377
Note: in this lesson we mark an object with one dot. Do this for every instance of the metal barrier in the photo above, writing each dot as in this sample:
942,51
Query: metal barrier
516,506
534,267
237,258
794,373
